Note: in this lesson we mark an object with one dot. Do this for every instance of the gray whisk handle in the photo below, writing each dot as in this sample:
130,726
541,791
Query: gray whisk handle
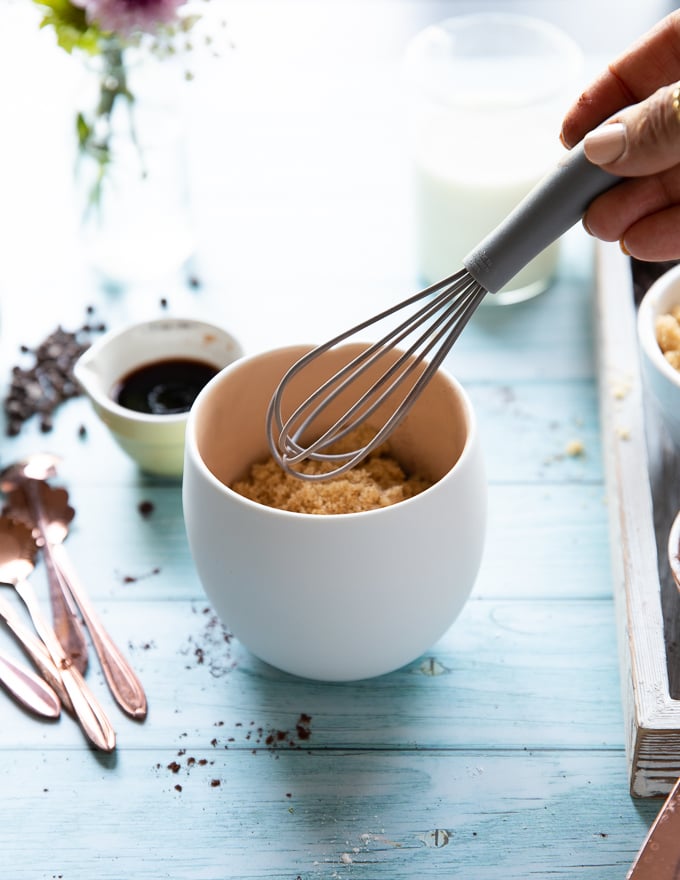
552,207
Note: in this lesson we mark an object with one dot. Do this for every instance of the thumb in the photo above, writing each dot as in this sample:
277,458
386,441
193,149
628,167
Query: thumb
640,140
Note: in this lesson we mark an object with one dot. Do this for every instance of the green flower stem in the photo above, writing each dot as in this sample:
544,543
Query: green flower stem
113,81
95,132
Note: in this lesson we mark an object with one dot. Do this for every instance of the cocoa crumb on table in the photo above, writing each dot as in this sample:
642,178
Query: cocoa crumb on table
302,727
41,387
133,578
273,738
146,508
211,648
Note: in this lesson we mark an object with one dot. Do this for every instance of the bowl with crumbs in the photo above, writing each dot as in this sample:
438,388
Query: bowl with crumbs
659,336
143,378
344,578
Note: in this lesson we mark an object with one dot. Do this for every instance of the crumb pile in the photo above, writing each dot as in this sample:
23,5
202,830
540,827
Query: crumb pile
40,388
668,336
377,481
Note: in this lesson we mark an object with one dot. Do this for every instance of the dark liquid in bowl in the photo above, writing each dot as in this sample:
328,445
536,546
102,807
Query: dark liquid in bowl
163,387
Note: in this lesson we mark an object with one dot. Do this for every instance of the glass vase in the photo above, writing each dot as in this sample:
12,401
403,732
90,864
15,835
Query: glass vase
131,174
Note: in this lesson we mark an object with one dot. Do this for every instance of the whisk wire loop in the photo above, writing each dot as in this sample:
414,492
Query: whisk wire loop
406,365
394,337
451,303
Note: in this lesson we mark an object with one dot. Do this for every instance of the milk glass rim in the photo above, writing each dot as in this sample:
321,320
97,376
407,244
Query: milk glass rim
569,51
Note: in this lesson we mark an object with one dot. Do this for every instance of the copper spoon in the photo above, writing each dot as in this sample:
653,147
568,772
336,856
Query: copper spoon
36,650
17,552
52,525
674,550
25,476
28,689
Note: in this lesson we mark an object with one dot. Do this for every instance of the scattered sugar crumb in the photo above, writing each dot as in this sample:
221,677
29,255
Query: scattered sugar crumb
621,390
346,859
575,448
623,433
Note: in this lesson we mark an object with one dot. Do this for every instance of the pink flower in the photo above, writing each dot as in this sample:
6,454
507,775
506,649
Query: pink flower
127,16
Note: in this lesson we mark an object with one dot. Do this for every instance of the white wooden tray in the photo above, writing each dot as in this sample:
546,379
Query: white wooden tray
643,483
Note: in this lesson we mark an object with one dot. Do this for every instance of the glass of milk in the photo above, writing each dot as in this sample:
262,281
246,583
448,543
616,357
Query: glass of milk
488,94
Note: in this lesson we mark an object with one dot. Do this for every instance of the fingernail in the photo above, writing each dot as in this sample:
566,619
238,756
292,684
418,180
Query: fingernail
585,226
623,247
605,144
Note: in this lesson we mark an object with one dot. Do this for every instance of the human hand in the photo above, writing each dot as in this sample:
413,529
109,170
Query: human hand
638,100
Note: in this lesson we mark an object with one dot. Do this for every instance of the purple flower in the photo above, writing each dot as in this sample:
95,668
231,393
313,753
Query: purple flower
128,16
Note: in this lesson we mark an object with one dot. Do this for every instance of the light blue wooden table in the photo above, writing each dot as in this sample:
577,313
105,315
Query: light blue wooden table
499,754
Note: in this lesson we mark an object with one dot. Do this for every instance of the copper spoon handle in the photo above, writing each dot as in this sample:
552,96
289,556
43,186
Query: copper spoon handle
89,713
121,678
67,625
28,688
37,651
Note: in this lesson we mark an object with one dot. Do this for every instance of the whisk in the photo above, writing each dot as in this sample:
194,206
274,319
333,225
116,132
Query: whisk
429,331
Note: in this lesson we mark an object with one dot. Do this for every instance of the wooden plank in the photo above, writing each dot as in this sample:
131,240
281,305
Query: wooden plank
480,686
312,814
542,430
556,532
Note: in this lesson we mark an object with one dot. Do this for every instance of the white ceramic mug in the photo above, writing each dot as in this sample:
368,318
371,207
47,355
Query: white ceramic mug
333,597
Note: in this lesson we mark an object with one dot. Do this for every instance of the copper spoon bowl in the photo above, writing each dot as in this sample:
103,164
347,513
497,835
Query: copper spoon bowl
24,482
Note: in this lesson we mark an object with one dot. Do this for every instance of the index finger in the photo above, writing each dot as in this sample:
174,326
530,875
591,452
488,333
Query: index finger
651,62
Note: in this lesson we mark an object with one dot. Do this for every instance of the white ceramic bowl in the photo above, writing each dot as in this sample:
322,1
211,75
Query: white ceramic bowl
659,377
333,597
155,442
